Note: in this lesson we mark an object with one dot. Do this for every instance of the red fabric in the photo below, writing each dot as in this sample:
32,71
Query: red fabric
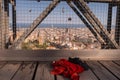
67,69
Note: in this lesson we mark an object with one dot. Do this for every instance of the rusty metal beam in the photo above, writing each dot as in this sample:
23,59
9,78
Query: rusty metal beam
100,1
83,7
117,28
109,21
93,31
91,21
104,1
6,22
1,25
14,19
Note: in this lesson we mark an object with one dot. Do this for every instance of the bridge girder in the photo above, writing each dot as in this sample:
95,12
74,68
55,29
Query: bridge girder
40,19
99,1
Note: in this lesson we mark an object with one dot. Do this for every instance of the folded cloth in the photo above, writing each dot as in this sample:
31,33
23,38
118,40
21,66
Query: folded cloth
67,69
79,62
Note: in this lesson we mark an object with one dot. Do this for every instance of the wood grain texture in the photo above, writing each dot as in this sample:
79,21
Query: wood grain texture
2,64
25,71
115,69
8,70
88,75
60,77
43,71
117,62
51,55
100,71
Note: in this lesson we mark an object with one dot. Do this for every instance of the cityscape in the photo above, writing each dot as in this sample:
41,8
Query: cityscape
61,27
59,38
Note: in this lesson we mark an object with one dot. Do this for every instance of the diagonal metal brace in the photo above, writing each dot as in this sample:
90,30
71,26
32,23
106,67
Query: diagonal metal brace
97,24
96,35
35,23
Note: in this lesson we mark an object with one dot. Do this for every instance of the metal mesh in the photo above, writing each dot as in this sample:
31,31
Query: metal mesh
63,28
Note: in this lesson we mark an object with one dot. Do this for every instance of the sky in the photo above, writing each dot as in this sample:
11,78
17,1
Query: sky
27,11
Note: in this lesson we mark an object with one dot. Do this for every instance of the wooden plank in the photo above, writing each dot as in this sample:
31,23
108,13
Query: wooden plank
100,71
117,62
2,64
7,72
25,71
60,77
43,71
112,67
51,55
88,75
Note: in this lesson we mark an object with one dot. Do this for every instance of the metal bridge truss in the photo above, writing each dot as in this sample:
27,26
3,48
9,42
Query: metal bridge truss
81,8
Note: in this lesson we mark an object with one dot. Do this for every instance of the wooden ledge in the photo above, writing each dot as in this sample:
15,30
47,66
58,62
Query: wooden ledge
50,55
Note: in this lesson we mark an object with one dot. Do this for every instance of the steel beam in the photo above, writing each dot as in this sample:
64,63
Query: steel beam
93,31
100,1
3,23
109,25
104,1
35,23
117,28
109,21
82,6
91,21
6,22
14,19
